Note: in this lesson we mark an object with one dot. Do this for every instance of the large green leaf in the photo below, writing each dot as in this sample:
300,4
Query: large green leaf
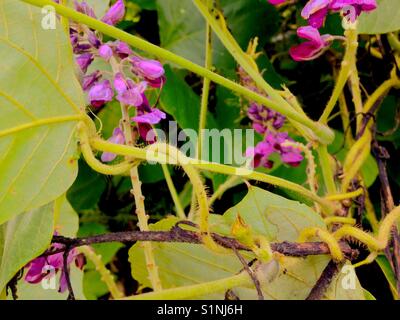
270,215
40,101
24,238
386,18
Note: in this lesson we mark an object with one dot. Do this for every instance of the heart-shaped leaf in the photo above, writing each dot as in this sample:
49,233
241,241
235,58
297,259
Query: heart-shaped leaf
276,218
40,105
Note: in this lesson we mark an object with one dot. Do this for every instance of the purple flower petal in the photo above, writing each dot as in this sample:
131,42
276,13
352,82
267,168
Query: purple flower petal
84,61
101,93
117,138
310,49
129,93
115,14
105,52
153,117
90,80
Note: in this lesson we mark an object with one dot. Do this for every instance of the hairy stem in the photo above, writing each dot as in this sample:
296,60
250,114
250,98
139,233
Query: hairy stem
197,290
150,155
344,73
139,202
105,274
326,168
172,190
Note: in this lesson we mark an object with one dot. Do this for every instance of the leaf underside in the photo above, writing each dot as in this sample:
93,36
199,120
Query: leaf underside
40,101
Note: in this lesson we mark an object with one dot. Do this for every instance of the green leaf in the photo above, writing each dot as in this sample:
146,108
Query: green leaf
40,102
87,189
386,18
182,31
272,216
23,239
384,264
179,100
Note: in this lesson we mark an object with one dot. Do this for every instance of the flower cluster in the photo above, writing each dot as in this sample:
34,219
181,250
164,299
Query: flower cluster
131,74
39,268
268,122
315,12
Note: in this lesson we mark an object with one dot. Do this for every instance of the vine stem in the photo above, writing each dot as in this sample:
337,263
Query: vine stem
187,292
204,102
139,202
344,73
180,212
105,274
326,168
144,154
206,87
322,132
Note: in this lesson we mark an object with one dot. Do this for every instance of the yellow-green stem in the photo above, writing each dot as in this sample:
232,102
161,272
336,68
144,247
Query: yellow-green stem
197,290
144,154
105,274
172,190
344,73
326,168
139,202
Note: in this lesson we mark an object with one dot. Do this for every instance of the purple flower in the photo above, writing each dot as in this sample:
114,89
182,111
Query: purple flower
315,12
84,8
123,50
91,79
358,7
101,93
105,52
274,143
262,117
151,70
310,49
289,154
38,268
129,93
93,40
146,117
261,154
115,13
84,61
154,116
117,138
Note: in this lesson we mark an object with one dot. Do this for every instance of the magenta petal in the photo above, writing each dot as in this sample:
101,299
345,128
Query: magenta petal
153,117
35,272
105,52
115,14
310,33
117,138
101,93
314,6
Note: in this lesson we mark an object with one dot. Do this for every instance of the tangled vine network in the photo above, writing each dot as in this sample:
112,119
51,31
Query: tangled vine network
89,176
